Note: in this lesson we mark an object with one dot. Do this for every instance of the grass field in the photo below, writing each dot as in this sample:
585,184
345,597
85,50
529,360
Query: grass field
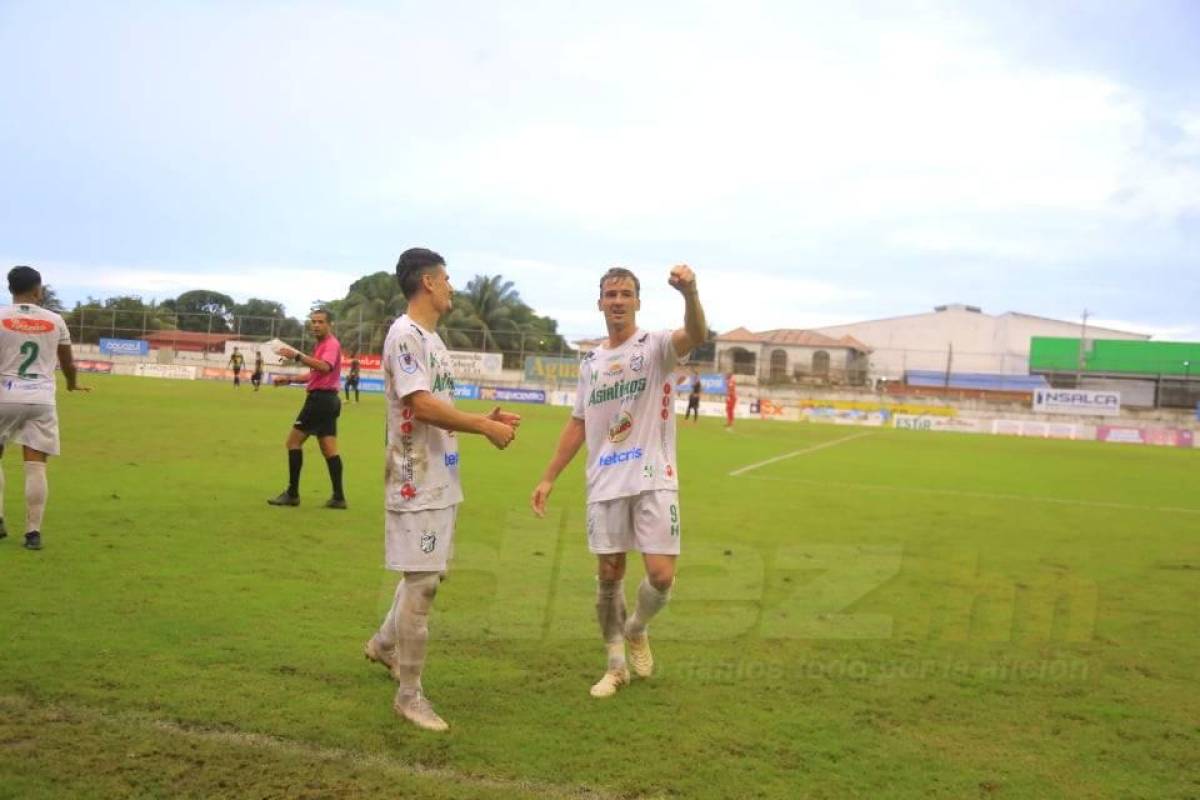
897,614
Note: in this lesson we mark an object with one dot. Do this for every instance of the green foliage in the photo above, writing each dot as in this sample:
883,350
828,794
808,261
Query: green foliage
902,615
203,310
122,317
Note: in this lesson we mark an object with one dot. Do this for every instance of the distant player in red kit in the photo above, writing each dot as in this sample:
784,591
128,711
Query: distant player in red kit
730,400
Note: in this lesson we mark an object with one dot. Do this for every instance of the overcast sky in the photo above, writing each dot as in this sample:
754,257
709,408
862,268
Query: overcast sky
814,162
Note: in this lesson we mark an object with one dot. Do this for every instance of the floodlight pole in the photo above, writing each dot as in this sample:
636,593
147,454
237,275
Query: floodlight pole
1082,344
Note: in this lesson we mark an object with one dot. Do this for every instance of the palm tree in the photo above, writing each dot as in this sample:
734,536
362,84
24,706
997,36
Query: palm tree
494,301
369,307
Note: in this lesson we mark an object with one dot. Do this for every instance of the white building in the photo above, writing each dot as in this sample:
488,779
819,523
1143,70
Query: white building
960,338
793,355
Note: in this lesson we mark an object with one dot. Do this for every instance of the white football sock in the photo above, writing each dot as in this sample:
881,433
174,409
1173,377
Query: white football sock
649,602
387,631
412,627
36,491
610,613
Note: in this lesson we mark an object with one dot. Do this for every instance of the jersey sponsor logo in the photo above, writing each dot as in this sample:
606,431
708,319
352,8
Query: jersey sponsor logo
620,428
451,460
28,325
616,391
614,369
648,472
620,457
406,428
408,491
637,362
670,471
408,364
443,383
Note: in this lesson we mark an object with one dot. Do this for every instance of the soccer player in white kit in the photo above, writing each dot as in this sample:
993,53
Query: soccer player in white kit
422,488
32,340
625,411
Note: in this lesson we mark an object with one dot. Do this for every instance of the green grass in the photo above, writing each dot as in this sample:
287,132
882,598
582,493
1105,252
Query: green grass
904,614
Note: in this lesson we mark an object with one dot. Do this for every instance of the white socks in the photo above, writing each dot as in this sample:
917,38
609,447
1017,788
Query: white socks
35,494
649,602
409,624
610,613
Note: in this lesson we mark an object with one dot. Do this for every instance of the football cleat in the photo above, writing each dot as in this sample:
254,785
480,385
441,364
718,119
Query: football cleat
613,680
640,657
336,502
416,708
284,499
3,530
376,652
33,540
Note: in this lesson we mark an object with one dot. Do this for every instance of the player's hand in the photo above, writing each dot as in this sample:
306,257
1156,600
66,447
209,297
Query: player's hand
500,434
280,380
507,417
682,278
541,493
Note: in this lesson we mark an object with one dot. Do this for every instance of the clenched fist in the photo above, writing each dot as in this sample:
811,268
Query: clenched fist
682,278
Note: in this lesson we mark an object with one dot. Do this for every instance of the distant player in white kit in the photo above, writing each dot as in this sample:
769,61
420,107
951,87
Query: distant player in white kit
421,482
32,341
625,410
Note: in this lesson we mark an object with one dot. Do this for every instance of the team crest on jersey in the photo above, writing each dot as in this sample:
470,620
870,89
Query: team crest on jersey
637,362
28,325
428,541
408,364
620,428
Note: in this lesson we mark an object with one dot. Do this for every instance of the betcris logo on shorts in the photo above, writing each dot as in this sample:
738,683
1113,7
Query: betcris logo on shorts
620,457
451,460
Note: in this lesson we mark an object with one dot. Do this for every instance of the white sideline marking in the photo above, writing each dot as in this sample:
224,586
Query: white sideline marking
291,747
1063,501
794,453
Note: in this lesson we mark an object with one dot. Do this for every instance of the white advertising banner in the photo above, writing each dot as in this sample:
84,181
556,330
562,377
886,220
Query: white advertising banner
165,371
920,422
466,364
1040,430
1076,401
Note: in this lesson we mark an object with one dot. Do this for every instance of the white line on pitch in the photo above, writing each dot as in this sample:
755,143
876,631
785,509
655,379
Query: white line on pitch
1062,501
795,453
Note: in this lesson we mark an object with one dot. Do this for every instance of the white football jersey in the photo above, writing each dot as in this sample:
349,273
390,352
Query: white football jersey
29,340
626,400
422,460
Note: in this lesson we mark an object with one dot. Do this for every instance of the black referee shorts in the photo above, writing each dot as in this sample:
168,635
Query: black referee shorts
319,415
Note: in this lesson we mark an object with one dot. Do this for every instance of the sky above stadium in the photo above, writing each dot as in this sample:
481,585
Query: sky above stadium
816,163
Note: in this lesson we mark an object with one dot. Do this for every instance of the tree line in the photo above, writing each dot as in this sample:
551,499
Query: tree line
488,314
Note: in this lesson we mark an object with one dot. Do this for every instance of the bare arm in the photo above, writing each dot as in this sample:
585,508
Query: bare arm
695,327
315,364
67,361
432,411
569,442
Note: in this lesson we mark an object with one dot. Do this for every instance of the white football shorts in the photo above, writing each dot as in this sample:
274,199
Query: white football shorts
35,426
420,541
646,522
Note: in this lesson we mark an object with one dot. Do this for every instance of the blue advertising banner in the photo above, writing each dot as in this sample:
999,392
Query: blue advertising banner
466,391
373,385
507,395
125,347
712,383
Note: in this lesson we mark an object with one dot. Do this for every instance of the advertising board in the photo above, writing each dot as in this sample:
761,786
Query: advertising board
1076,401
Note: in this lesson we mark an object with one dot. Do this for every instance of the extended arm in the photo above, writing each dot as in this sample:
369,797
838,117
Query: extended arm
569,442
497,427
695,327
67,362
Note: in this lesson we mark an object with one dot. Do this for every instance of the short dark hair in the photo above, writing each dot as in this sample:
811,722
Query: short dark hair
415,262
23,279
328,314
621,272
